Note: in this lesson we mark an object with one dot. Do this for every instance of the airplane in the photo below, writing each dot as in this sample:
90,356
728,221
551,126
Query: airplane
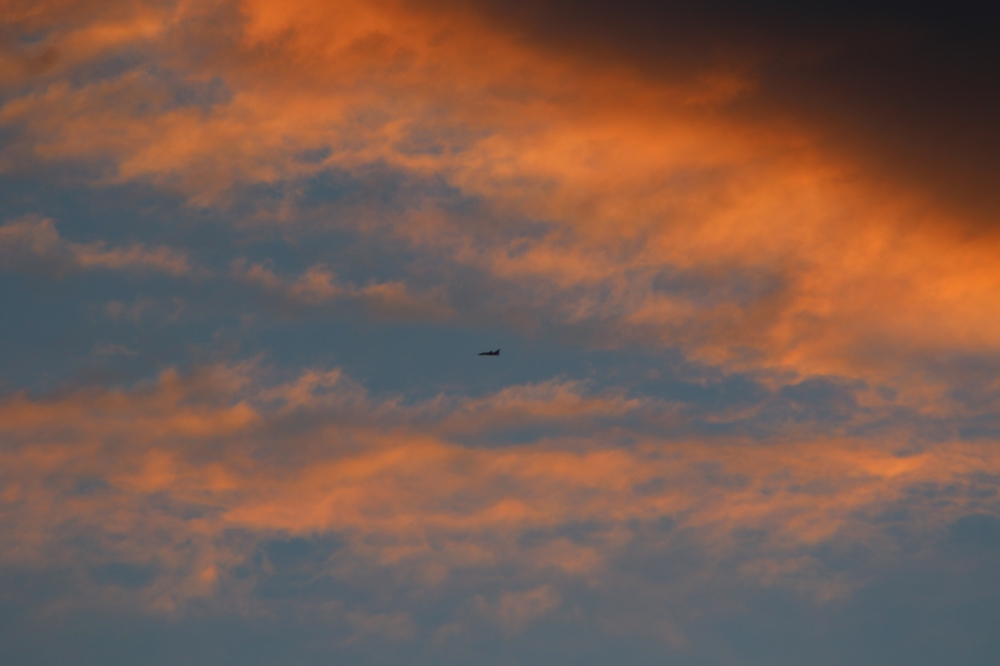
489,353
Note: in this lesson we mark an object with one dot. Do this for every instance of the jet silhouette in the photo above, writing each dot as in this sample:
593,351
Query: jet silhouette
490,353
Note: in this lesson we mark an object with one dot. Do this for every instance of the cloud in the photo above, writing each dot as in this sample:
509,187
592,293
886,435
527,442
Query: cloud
185,477
784,218
609,202
112,349
384,626
142,308
319,285
67,34
34,244
515,609
873,94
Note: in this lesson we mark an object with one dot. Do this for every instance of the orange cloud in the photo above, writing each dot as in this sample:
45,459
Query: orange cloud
563,193
803,260
69,33
163,476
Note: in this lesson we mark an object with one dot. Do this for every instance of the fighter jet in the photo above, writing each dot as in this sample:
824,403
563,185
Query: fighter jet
490,353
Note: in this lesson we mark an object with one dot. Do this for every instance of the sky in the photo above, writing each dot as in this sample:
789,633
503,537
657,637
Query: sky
740,260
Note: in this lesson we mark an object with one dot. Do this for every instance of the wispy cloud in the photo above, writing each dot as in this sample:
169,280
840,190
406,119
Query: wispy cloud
34,244
182,464
319,285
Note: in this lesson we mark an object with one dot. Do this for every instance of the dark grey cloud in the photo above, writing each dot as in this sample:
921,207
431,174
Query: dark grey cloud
907,88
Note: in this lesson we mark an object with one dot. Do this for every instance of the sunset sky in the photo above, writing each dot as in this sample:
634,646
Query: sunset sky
742,261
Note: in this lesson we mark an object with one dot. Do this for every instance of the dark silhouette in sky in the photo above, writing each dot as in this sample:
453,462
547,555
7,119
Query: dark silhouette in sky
490,353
